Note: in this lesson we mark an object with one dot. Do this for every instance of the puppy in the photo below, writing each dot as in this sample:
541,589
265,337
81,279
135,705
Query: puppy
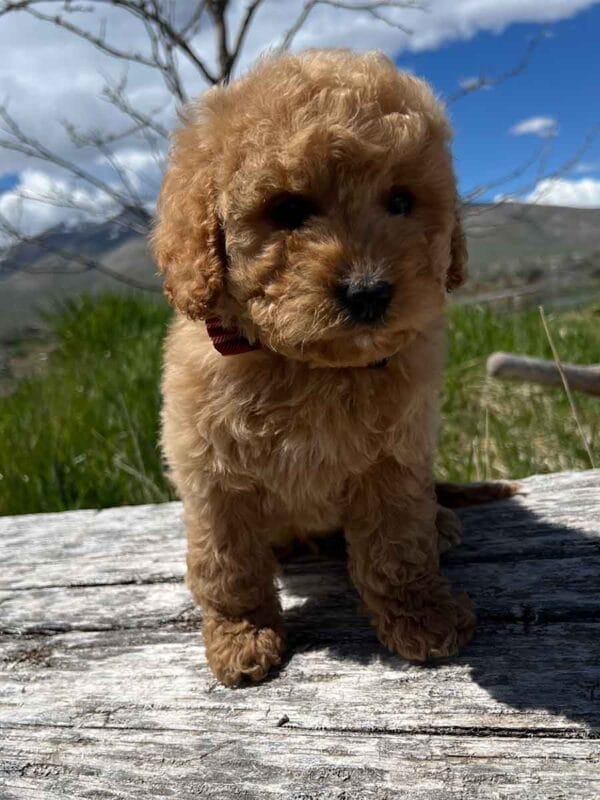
309,213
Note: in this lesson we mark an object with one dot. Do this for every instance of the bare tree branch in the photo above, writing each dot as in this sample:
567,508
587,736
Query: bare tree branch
120,171
151,12
293,30
60,199
145,124
565,166
481,189
115,94
521,212
33,148
98,41
148,13
218,9
99,143
132,218
243,31
375,9
193,23
372,7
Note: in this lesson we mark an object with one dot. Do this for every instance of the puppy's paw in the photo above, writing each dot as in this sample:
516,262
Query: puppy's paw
449,528
433,627
238,651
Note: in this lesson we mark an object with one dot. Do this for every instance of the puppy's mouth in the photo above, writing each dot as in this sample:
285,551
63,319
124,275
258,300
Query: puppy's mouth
346,347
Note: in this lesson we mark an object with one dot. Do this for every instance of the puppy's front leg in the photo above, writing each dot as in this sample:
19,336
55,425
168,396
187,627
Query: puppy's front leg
231,575
394,563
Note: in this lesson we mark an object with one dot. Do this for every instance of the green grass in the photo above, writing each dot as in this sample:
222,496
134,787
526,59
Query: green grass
84,434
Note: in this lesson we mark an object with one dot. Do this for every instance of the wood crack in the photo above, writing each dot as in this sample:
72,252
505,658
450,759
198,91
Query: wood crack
145,581
190,620
425,731
592,734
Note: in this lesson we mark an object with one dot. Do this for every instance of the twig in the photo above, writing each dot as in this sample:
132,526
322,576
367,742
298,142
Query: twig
540,155
291,32
373,8
472,195
242,31
486,82
34,148
191,26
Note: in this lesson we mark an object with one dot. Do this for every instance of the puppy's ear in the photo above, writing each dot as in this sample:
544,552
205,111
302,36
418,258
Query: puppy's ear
188,240
457,271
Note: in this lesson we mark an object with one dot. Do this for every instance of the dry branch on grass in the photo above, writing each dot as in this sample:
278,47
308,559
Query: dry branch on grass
538,370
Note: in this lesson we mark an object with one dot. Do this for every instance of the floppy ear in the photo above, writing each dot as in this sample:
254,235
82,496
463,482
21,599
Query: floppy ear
188,240
457,271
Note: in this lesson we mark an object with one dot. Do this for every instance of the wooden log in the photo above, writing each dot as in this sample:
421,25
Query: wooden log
538,370
105,690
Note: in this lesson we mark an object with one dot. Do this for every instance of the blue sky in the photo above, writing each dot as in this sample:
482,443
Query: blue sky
8,181
562,82
48,76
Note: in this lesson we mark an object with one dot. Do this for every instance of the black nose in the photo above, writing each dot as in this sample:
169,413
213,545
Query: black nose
365,300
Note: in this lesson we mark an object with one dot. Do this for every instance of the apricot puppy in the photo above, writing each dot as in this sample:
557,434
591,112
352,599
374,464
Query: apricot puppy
309,213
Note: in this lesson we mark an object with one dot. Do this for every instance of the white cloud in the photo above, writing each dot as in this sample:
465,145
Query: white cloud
47,74
23,207
41,199
585,167
579,193
538,126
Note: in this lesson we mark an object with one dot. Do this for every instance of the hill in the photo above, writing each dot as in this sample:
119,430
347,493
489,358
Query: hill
532,253
35,277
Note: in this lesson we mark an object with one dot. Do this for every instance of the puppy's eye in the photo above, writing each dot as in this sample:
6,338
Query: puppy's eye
400,202
290,211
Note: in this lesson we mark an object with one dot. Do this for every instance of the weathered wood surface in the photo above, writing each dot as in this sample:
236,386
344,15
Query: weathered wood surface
104,690
538,370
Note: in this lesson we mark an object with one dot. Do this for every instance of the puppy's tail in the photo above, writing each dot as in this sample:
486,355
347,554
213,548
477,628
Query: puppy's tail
459,495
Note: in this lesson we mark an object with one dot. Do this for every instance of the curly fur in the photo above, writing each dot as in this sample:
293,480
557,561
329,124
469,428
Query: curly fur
300,437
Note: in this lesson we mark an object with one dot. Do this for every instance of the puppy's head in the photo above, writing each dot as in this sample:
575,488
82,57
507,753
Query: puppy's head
313,204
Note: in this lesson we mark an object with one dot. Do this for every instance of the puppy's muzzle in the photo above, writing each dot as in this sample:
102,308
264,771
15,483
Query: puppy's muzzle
365,300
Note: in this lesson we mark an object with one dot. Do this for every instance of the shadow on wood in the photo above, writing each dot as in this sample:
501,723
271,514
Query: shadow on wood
536,588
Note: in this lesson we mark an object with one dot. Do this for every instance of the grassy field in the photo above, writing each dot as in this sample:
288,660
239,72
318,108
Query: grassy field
83,434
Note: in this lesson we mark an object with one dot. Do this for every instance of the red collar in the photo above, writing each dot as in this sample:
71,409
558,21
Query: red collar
231,341
228,341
